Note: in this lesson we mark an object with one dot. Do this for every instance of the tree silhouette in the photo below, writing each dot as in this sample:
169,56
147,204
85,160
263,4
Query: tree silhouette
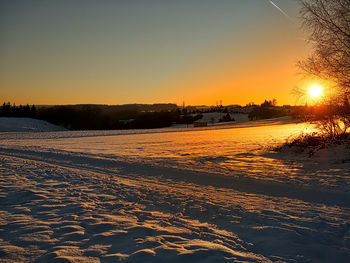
328,22
8,110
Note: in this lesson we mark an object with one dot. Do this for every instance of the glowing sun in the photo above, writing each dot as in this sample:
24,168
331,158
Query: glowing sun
315,91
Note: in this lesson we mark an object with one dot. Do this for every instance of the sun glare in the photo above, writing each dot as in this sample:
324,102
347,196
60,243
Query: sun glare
315,91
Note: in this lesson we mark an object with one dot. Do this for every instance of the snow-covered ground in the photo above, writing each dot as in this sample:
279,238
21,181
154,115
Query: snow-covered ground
27,125
171,195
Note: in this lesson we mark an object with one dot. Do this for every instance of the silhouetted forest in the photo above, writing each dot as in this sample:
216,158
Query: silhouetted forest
97,117
267,110
135,116
8,110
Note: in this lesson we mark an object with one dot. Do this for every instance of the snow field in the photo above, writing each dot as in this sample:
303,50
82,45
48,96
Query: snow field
54,210
171,195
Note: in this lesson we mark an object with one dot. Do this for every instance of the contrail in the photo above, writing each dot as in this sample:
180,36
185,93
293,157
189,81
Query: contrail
279,9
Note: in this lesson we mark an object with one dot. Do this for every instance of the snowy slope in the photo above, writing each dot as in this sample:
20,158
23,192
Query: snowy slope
27,125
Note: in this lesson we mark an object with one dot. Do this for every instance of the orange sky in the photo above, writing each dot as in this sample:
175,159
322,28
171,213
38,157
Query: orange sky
117,53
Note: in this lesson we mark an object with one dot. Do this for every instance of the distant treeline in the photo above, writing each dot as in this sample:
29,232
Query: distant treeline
8,110
104,117
133,116
268,110
97,117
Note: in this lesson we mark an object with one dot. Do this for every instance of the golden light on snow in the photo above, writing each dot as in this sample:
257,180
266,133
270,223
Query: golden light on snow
315,91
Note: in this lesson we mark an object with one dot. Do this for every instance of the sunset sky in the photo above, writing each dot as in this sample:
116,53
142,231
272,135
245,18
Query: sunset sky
149,51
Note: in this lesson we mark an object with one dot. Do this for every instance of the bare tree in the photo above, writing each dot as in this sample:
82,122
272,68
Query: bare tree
328,23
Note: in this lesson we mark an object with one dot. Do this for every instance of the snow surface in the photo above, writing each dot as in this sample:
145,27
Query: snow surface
171,195
27,125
